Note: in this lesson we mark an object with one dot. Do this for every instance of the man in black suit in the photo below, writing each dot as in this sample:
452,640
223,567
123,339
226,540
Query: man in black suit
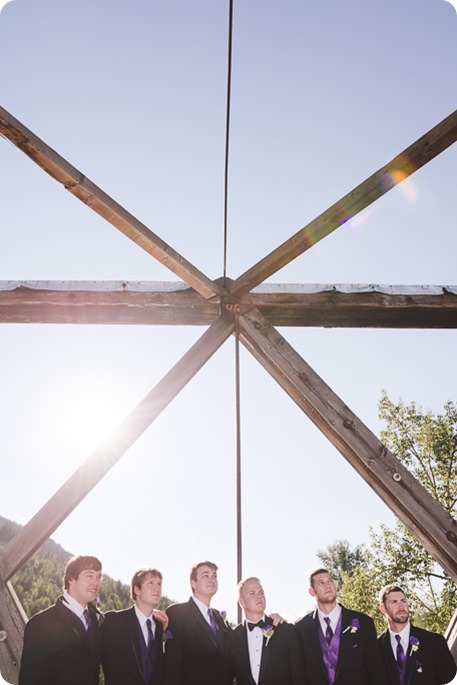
339,645
411,655
132,640
261,653
61,643
198,651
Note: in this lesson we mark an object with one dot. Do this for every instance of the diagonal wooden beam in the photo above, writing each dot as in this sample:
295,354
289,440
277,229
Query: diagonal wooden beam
92,196
406,163
64,501
150,303
385,474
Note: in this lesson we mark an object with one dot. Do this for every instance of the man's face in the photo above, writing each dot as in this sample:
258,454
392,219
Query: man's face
84,589
396,608
205,585
150,592
324,588
252,599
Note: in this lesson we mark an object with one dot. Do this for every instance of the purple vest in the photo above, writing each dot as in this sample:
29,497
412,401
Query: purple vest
330,651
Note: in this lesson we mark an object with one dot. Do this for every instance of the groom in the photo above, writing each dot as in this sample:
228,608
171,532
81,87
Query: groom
339,645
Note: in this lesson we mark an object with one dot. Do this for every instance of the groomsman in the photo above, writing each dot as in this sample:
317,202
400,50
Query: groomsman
61,643
261,653
339,645
198,651
132,639
412,656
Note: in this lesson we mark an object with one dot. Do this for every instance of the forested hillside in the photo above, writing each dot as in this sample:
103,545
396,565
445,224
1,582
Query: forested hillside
39,582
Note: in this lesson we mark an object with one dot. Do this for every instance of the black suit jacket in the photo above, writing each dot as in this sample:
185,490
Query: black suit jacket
359,661
281,662
193,655
121,652
430,664
57,649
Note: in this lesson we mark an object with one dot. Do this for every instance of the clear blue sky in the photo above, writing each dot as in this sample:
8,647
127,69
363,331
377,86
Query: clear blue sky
133,95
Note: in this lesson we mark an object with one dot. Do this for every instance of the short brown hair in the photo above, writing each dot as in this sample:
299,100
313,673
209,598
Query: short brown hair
194,569
77,564
316,573
140,576
386,590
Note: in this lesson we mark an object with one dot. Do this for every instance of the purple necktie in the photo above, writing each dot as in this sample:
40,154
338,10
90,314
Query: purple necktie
212,621
329,631
87,620
150,633
401,658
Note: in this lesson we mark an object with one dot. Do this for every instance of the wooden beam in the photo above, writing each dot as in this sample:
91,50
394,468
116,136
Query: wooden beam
92,196
149,303
403,165
12,623
409,501
63,502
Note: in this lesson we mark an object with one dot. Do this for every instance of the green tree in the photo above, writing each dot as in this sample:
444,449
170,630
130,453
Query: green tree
426,444
340,560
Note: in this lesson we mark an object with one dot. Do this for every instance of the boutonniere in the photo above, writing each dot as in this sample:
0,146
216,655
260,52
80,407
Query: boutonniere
223,615
414,642
166,635
268,632
354,627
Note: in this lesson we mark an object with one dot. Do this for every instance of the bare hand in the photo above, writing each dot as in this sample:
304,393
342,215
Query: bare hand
277,619
162,617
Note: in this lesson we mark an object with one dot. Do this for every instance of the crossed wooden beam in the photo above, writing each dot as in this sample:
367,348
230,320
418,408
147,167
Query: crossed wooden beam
225,306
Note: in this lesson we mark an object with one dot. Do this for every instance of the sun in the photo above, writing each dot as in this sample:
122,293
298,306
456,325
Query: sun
87,415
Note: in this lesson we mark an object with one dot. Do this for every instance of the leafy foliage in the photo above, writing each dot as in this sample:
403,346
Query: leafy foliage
426,444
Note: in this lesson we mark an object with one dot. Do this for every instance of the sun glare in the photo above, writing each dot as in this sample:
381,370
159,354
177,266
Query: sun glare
88,415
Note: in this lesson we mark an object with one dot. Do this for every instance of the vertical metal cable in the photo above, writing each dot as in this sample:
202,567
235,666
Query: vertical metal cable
239,546
227,132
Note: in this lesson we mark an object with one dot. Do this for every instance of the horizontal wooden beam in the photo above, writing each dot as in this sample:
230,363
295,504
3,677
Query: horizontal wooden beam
65,500
403,165
151,303
92,196
384,473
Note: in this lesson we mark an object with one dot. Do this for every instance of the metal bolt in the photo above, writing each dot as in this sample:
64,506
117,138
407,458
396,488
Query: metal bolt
396,477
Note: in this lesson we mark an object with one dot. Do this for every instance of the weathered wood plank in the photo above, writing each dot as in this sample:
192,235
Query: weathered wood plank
64,501
439,138
12,622
409,501
149,303
86,191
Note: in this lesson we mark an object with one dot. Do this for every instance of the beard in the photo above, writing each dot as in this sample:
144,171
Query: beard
402,618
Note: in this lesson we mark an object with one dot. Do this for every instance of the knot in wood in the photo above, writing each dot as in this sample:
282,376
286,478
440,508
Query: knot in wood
348,423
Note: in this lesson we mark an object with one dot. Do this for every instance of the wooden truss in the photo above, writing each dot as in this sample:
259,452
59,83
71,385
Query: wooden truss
252,310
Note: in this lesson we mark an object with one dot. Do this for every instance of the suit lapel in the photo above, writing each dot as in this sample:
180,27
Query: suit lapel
203,625
266,650
389,658
411,657
133,629
242,649
73,622
315,630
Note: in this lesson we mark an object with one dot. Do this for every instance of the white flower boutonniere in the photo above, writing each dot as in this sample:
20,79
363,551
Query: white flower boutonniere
354,627
414,642
268,632
166,635
223,615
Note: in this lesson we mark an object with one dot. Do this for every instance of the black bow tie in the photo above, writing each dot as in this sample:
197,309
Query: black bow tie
259,624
